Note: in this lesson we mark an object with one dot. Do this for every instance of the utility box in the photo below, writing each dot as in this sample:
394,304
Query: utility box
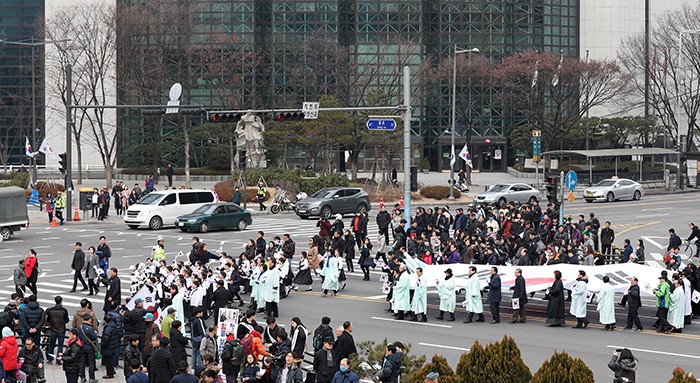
85,198
414,178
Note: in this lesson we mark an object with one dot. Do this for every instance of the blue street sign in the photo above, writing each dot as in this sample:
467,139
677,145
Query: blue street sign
381,124
536,146
571,180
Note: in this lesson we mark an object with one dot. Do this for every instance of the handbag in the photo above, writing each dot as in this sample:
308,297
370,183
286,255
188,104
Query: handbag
98,354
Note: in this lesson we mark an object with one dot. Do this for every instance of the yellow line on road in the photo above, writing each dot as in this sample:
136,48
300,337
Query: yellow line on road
638,227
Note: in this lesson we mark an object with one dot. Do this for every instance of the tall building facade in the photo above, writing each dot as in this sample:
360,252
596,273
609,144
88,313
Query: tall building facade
383,34
21,80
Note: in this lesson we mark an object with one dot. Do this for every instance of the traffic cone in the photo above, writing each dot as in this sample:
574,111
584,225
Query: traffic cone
76,216
381,202
402,202
53,223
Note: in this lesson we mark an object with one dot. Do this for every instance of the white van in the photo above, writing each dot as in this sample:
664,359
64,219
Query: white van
161,208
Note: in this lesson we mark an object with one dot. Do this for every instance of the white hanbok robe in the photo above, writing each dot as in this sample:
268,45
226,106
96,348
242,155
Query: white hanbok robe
401,299
676,310
606,304
419,305
330,274
447,294
473,295
578,299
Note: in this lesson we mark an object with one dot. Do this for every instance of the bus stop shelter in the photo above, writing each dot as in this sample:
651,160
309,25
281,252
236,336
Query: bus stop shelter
592,155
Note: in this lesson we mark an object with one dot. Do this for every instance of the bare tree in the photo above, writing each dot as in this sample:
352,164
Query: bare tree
674,91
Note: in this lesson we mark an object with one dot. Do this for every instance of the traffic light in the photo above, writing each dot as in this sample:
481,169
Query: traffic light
192,111
552,184
62,162
289,116
224,117
242,158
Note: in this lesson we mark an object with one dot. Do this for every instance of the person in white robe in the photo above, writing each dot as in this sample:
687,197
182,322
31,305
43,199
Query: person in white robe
606,305
472,301
401,299
448,296
676,310
419,304
579,300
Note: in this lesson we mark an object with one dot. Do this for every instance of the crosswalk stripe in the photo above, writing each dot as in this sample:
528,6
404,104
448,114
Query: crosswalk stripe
45,302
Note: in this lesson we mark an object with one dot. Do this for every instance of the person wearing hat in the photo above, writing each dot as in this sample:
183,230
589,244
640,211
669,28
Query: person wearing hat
578,300
159,249
662,292
151,329
167,322
325,362
432,377
448,297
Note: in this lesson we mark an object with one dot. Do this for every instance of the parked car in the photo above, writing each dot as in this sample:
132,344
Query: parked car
506,192
613,189
215,216
334,200
161,208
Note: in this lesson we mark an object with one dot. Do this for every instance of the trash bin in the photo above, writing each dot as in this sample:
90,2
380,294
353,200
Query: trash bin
85,199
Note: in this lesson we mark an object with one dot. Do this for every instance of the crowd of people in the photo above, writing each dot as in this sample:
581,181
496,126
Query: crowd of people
190,289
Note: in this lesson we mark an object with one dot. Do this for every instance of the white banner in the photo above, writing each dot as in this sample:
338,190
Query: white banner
538,278
228,319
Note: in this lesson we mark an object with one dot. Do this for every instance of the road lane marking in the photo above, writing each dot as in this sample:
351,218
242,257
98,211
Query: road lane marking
648,239
447,347
418,323
650,215
657,352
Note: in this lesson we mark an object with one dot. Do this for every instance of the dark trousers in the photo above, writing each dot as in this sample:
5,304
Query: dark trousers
35,336
108,362
11,375
385,233
519,314
94,286
606,248
56,339
72,377
271,309
20,291
170,181
633,317
365,271
662,316
348,262
59,215
87,360
79,277
31,282
495,308
50,216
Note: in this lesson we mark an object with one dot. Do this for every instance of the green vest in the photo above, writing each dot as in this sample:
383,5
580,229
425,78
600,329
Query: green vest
60,203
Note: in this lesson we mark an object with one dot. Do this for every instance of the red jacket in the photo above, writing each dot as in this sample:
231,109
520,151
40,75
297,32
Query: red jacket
8,352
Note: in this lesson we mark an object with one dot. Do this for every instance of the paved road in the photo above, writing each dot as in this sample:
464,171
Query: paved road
362,302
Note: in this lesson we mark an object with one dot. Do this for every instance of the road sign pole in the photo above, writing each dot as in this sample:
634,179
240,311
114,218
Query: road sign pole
407,144
68,214
561,204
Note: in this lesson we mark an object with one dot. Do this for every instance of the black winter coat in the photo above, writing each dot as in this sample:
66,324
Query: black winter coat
32,358
519,290
132,355
57,317
110,339
161,366
71,358
391,369
134,323
78,262
114,291
32,316
178,345
494,289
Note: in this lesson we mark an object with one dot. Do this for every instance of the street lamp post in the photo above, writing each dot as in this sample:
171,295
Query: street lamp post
454,114
33,44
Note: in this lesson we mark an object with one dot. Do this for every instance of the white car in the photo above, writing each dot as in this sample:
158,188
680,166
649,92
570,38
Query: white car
613,189
504,193
161,208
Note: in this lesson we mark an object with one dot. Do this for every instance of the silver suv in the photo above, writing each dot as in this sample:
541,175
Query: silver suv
334,200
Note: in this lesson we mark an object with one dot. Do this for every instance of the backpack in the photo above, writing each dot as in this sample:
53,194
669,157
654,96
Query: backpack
235,352
247,344
5,319
318,339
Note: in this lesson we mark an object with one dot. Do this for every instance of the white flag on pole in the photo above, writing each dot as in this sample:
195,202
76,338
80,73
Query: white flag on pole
46,149
452,157
464,154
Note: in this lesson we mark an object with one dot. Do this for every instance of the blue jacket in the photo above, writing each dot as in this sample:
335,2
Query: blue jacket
250,371
348,376
87,334
626,253
138,377
110,339
183,378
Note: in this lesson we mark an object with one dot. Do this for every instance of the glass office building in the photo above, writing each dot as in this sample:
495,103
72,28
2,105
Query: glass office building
19,20
387,35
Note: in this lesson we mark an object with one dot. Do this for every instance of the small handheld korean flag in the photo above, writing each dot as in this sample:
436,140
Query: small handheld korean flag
464,154
453,159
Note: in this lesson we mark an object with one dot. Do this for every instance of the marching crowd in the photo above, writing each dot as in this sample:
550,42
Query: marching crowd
153,336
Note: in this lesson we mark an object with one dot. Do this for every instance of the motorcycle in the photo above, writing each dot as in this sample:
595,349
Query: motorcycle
283,203
461,186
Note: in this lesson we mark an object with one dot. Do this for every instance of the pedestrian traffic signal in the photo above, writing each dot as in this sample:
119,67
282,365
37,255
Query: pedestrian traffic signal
289,116
224,117
62,162
552,184
242,158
